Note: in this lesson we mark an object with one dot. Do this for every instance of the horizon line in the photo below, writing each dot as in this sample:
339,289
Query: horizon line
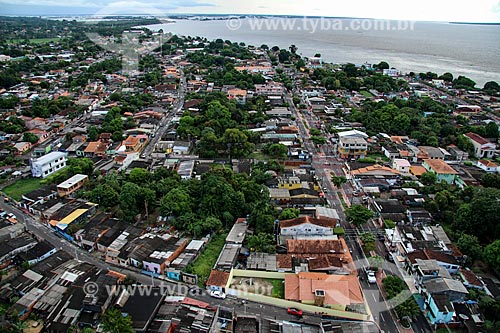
246,15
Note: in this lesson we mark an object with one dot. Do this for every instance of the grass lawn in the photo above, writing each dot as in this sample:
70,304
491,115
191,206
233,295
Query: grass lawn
365,93
21,187
278,288
206,261
36,40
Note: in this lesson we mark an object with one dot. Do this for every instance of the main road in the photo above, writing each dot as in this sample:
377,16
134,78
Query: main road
323,165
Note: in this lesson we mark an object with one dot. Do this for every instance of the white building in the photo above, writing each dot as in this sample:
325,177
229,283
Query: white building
48,164
401,165
482,147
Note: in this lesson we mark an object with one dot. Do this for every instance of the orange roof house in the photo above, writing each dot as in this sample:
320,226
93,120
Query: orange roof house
320,289
375,170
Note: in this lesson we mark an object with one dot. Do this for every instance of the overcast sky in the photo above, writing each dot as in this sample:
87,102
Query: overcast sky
427,10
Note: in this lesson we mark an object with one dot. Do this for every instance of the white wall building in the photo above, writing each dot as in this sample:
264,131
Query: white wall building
48,164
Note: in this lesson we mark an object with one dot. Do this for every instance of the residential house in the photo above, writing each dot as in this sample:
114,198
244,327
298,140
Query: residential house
482,147
307,227
135,143
270,88
22,147
239,95
38,196
454,289
339,292
217,280
439,309
401,165
441,169
350,147
71,185
48,164
488,166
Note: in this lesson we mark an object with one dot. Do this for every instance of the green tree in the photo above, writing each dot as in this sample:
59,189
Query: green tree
261,242
278,150
463,82
176,202
408,308
491,180
289,213
448,77
139,176
492,254
382,65
492,130
93,133
358,214
113,321
30,137
470,246
428,178
338,181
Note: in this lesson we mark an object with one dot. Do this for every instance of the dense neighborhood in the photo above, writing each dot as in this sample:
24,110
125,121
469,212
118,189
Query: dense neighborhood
267,191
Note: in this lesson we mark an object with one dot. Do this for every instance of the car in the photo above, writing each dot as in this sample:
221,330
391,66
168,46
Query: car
380,237
217,294
295,312
389,257
371,277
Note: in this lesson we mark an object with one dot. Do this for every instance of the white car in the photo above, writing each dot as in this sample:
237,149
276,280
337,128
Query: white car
371,277
217,294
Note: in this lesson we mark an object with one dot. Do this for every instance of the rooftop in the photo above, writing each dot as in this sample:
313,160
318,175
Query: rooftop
440,167
72,181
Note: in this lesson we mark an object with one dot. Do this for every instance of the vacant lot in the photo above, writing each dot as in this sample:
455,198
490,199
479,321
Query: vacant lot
21,187
203,265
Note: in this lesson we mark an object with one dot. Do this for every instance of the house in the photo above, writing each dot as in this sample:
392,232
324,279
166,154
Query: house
238,232
38,196
71,185
487,165
239,95
72,212
22,147
433,153
217,280
401,165
135,143
38,253
439,309
482,147
441,169
352,147
307,227
454,289
48,164
320,289
270,88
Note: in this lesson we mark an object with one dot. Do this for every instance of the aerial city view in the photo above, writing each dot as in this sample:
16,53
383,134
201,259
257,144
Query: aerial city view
249,167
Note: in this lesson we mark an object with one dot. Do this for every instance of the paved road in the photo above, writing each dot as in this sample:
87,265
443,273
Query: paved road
324,163
167,117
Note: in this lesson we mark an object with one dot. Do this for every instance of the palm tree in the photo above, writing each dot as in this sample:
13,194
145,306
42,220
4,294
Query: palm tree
408,308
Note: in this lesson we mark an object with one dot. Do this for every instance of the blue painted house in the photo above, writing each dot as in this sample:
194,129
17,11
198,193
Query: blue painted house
439,309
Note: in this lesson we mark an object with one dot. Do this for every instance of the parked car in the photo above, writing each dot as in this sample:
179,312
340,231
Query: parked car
370,275
218,294
295,312
389,257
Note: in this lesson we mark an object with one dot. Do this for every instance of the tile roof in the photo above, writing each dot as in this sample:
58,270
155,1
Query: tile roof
488,164
477,138
318,246
339,289
323,221
374,168
440,167
217,278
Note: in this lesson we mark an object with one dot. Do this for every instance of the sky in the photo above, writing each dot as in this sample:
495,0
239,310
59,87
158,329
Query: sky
421,10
